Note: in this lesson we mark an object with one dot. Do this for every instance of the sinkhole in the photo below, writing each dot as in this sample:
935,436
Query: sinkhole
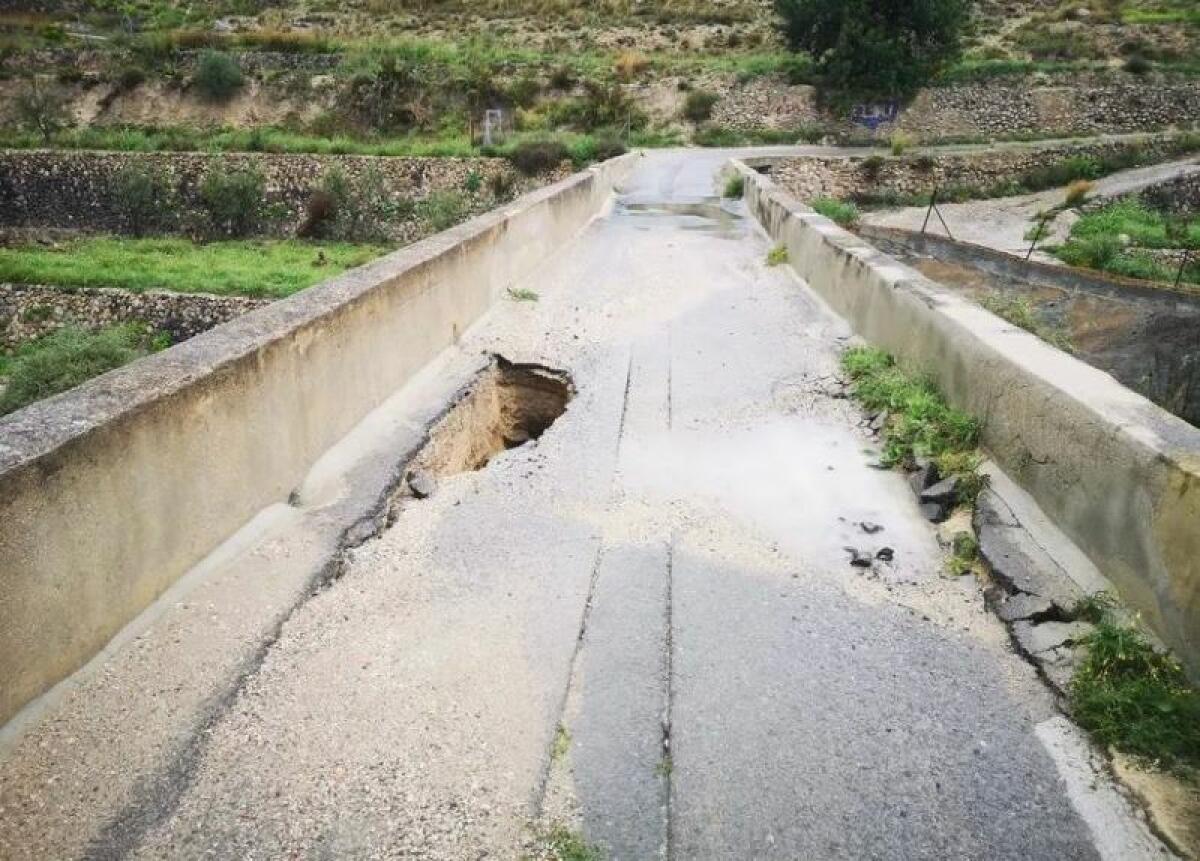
508,405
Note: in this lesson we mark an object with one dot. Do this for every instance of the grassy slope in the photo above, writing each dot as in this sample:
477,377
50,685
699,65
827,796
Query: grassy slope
271,268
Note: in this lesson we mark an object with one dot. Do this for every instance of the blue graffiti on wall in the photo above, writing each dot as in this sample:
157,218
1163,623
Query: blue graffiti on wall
874,115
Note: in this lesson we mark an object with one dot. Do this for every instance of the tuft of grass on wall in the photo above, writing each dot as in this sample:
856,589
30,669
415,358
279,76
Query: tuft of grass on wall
1137,699
920,423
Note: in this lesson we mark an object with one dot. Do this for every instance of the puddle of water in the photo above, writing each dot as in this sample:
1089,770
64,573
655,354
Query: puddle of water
707,215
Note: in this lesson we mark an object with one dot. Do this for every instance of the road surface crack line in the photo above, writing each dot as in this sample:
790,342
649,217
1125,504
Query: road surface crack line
669,660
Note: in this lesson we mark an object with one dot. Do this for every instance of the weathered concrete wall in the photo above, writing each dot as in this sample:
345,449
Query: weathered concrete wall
809,176
74,188
1147,335
1119,475
29,311
109,492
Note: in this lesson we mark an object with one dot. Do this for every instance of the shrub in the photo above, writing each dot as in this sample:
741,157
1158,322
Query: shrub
872,166
473,182
630,64
218,76
130,78
1077,191
534,157
234,201
1137,64
735,186
872,46
843,212
698,105
900,142
354,210
42,107
1093,252
600,106
442,210
501,184
65,359
142,198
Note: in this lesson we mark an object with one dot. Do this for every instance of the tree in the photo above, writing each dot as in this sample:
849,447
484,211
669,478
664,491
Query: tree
875,47
43,108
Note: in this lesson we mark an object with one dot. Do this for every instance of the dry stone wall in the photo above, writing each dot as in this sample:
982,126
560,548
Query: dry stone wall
808,177
1088,104
43,188
30,311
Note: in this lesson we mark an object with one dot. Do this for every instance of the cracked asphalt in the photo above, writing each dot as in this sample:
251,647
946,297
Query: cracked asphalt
642,628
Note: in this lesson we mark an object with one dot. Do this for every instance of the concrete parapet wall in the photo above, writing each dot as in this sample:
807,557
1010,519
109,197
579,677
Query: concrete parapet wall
1119,475
109,492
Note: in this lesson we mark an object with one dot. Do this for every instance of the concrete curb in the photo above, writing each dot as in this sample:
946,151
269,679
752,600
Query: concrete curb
1119,475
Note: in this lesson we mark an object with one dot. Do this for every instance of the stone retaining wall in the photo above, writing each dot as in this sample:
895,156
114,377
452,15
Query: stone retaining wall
73,188
1083,105
917,173
29,311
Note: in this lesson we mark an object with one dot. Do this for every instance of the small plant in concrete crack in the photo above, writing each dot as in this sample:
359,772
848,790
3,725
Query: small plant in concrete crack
777,256
663,768
521,294
1131,696
562,743
735,186
565,844
964,554
1094,608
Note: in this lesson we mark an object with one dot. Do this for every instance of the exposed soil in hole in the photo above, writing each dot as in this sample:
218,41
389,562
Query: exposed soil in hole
507,406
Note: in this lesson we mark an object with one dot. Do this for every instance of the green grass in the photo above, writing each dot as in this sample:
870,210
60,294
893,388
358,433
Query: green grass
1145,227
843,212
1095,242
735,186
1020,312
271,268
68,357
921,423
1137,699
522,294
777,256
562,743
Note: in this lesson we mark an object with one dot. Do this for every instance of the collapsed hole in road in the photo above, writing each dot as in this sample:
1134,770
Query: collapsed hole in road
508,405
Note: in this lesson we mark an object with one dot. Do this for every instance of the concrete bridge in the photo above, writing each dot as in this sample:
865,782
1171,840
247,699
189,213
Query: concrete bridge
377,593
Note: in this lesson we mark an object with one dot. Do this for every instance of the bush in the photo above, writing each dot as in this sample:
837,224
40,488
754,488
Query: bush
501,185
600,106
883,47
67,358
608,147
42,108
142,198
1137,64
698,105
358,210
534,157
630,64
900,142
218,76
1078,191
234,201
130,78
442,210
735,186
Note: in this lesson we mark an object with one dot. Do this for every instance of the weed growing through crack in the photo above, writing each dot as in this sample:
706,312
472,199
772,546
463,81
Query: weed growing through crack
1135,698
522,294
664,766
964,554
565,844
562,743
921,423
735,186
777,256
